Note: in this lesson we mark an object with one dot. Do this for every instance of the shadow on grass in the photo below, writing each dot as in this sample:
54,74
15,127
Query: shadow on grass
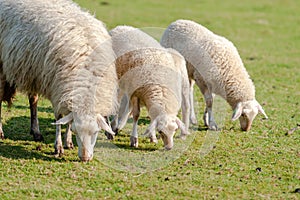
137,149
19,151
40,109
121,142
18,128
22,107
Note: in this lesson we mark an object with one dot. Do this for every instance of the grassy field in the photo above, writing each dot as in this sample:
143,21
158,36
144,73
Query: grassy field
263,163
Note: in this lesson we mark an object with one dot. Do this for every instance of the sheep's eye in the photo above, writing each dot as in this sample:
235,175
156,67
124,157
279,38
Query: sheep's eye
160,132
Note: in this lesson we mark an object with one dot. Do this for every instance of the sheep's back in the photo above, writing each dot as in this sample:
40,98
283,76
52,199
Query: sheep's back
50,47
214,57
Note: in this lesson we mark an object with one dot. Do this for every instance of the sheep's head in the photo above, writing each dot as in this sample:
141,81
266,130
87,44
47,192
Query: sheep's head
166,125
246,112
86,129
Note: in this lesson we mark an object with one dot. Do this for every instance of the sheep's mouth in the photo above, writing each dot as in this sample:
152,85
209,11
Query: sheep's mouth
245,123
167,143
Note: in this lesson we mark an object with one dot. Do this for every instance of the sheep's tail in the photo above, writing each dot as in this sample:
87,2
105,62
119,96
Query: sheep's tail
9,93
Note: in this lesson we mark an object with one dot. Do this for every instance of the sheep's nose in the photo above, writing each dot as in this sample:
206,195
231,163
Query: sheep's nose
247,127
85,159
85,156
168,148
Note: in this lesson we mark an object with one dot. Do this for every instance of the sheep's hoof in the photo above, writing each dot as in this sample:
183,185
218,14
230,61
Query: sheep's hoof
153,140
115,130
58,152
134,141
182,136
213,127
37,137
69,145
194,120
109,136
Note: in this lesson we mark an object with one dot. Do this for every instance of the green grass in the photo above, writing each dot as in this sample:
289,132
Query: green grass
263,163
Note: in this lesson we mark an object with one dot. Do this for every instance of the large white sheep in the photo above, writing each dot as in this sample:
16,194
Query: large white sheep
153,76
55,49
215,65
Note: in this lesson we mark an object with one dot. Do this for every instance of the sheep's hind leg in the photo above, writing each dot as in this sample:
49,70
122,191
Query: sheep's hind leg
208,96
136,115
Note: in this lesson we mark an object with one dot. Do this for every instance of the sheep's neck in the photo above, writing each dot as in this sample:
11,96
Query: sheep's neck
155,110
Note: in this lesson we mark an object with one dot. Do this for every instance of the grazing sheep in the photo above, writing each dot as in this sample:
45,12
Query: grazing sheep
55,49
214,63
152,76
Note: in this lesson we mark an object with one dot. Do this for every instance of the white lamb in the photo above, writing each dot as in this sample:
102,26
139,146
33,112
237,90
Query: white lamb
55,49
153,76
215,65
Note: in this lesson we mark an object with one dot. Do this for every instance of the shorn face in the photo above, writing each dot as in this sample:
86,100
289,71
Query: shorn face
86,129
247,117
167,126
246,112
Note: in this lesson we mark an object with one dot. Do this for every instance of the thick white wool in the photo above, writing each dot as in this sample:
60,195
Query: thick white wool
148,70
55,49
213,57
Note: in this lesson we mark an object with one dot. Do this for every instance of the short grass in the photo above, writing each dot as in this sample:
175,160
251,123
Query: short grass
263,163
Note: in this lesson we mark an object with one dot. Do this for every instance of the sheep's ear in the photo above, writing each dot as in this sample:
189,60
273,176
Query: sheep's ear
151,128
103,124
66,119
261,110
237,111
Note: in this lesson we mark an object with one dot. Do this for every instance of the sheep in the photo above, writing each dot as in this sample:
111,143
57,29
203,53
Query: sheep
151,76
215,65
55,49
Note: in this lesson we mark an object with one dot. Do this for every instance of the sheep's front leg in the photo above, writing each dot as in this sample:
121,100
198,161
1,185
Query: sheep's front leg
136,115
34,122
58,146
1,131
68,138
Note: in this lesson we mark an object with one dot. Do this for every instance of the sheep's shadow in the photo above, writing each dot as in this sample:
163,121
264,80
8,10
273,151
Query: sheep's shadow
17,129
40,109
125,144
19,151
